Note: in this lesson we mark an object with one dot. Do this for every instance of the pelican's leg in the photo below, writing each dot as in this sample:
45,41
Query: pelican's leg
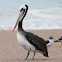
26,56
33,56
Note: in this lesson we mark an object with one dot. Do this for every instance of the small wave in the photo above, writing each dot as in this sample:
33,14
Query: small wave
48,18
49,12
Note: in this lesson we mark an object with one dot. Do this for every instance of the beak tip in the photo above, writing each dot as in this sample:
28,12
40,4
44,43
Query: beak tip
13,30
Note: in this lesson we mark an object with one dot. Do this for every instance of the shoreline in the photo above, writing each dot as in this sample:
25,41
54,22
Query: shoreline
52,32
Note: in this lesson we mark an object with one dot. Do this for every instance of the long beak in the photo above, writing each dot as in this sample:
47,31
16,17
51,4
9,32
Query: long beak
17,21
56,41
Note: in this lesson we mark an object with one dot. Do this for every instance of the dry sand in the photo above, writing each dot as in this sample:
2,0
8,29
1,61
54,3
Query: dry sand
11,51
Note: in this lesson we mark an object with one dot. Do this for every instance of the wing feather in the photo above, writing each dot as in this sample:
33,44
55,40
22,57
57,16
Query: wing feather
36,41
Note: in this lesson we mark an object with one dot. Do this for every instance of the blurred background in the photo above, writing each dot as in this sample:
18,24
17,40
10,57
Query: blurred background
42,14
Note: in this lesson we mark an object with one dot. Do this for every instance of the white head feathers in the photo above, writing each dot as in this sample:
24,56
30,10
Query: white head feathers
22,6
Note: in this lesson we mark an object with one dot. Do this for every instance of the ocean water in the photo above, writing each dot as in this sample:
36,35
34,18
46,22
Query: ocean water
42,14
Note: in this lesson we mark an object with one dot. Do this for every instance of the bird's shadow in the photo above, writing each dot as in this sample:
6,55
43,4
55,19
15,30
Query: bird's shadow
41,59
38,59
44,59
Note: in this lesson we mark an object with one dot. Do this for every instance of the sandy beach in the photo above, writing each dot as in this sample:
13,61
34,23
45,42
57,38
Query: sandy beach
11,51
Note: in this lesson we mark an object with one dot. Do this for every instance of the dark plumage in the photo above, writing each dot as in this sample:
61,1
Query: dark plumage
36,41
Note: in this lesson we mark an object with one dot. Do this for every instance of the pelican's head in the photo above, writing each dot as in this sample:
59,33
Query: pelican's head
22,12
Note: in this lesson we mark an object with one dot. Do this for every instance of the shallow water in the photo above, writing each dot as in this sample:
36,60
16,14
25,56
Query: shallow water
42,14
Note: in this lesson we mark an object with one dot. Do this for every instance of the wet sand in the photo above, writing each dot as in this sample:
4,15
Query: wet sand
11,51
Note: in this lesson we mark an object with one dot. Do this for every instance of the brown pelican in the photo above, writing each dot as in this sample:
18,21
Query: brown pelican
29,41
